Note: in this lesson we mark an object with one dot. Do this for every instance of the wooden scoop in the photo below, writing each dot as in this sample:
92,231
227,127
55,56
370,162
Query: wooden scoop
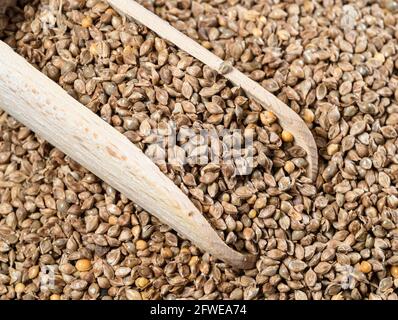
288,119
39,103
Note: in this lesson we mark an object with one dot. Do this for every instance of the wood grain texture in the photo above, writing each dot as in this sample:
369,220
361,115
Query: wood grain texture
288,119
40,104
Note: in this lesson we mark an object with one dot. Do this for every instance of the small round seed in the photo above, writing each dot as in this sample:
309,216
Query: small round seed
332,149
308,116
19,287
287,136
83,265
268,118
87,22
248,233
289,166
252,214
394,271
141,245
141,282
365,267
112,220
33,272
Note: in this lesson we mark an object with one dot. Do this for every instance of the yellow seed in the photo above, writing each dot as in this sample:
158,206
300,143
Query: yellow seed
206,44
394,271
141,282
193,261
250,15
145,295
260,203
166,252
263,19
257,32
267,118
87,22
136,230
110,11
226,197
308,6
287,136
252,199
308,116
365,267
112,220
289,166
33,272
94,49
185,250
283,35
47,44
252,214
55,297
83,265
248,233
332,149
19,287
141,245
380,57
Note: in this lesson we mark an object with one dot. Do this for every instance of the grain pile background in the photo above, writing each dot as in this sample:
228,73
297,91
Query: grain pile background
64,234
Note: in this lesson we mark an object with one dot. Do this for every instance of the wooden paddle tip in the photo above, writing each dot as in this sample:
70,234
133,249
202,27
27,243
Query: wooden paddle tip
247,262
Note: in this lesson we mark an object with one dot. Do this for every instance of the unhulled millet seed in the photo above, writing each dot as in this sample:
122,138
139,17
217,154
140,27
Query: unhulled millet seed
83,265
287,136
339,79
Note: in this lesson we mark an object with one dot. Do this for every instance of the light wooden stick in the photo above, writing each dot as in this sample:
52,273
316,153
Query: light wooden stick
289,120
39,103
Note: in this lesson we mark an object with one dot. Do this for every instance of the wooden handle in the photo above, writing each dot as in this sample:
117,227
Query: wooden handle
288,119
39,103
